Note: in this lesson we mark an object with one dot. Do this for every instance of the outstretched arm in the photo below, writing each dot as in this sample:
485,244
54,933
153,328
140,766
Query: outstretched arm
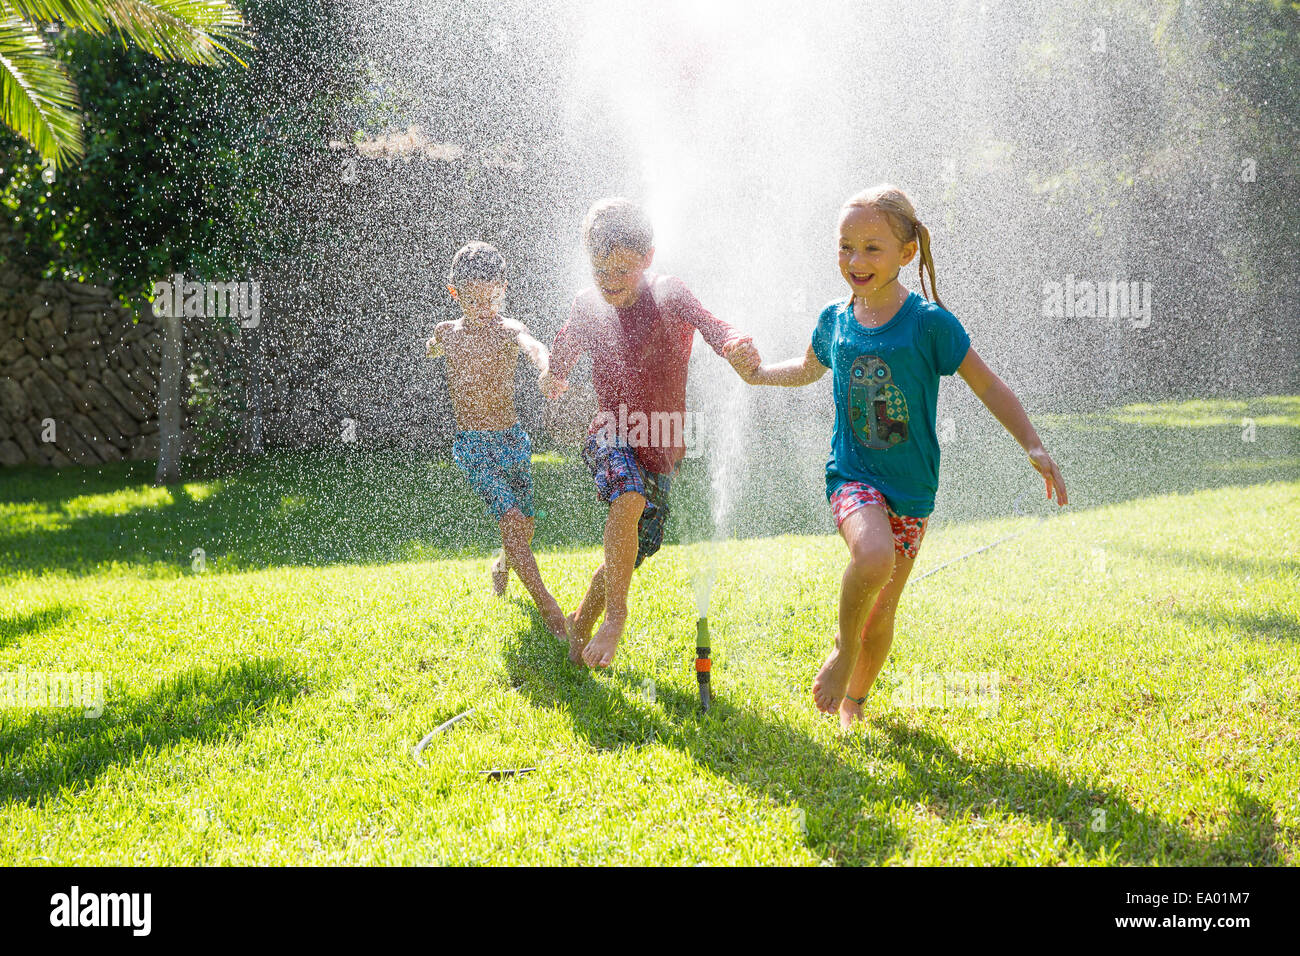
738,349
1006,408
743,356
792,373
537,352
570,344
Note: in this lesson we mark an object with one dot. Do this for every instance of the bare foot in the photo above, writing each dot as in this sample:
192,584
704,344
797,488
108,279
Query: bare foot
500,574
600,652
833,679
577,641
555,622
850,712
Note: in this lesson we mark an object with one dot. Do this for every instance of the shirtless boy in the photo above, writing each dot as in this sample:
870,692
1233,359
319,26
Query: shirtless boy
482,349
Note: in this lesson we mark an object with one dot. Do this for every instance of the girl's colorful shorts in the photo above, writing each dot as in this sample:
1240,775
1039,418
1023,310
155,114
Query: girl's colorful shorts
855,495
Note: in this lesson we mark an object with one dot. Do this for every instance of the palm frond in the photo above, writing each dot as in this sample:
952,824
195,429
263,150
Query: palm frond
79,14
192,31
38,100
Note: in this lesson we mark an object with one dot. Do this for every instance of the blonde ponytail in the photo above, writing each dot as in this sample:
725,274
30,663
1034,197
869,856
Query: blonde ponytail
926,263
893,202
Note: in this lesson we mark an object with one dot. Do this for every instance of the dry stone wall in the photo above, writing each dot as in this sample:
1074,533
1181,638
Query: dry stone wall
78,378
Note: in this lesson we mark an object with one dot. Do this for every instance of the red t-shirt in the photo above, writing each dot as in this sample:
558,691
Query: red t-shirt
639,356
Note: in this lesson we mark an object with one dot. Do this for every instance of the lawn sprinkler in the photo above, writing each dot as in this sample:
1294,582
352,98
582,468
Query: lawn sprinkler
703,663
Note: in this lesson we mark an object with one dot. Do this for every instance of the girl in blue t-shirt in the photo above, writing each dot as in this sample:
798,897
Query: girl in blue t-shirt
887,348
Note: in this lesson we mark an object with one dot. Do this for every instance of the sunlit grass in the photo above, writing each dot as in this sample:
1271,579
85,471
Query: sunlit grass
126,500
1269,411
263,709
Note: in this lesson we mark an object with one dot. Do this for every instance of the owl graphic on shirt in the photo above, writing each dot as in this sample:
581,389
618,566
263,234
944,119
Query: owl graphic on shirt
877,407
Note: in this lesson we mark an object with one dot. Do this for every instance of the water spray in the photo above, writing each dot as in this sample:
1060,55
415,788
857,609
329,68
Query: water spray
1008,537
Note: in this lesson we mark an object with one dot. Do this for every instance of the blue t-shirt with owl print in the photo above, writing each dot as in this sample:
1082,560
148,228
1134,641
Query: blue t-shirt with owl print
886,383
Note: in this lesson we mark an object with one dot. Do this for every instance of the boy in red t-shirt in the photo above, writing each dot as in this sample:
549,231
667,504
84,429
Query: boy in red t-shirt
639,330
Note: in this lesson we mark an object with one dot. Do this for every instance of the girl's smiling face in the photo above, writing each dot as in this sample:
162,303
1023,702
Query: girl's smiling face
871,254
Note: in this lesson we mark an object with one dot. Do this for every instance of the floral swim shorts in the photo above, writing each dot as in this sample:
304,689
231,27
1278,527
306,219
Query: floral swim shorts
854,495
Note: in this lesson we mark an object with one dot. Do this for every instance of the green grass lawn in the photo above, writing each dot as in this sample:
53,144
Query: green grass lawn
263,709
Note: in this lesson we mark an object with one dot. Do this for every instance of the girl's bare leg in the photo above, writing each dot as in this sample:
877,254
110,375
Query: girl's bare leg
871,563
877,637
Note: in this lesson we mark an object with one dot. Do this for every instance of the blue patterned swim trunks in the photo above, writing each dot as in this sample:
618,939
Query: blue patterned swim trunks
499,466
616,471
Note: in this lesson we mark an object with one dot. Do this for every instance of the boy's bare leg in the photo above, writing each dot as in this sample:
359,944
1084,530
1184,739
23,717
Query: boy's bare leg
500,573
877,637
871,563
516,537
620,561
585,617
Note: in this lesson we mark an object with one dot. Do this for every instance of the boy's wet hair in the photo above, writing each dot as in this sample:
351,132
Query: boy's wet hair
615,223
477,261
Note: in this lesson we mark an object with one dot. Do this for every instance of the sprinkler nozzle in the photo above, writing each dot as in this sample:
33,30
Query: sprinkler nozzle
703,663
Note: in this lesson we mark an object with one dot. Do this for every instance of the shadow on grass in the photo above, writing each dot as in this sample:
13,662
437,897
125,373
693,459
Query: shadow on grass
844,807
936,771
984,478
14,626
1236,567
1268,626
45,751
284,510
373,507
